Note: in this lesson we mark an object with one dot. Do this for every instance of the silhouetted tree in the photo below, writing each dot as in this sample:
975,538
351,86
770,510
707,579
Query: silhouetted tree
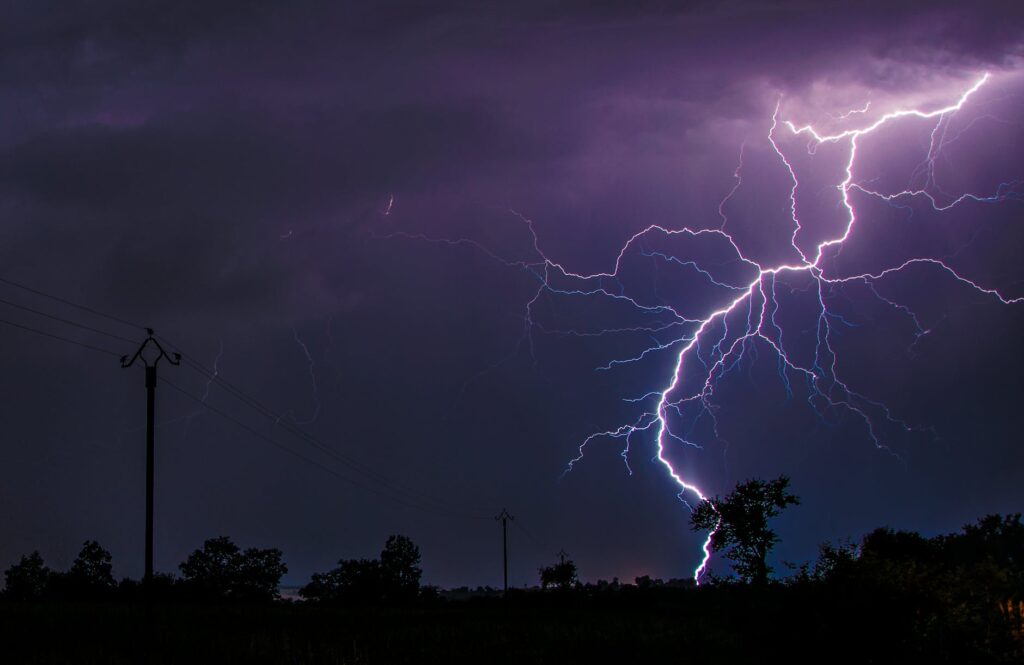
353,580
644,582
28,579
162,587
998,541
989,559
562,575
360,580
212,570
221,570
322,588
835,561
259,574
399,567
897,547
960,595
93,567
740,524
395,577
89,578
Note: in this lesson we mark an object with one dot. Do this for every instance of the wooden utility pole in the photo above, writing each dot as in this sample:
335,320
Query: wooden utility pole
174,359
504,518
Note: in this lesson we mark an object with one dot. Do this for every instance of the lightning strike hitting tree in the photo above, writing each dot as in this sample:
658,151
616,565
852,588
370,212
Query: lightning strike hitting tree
704,346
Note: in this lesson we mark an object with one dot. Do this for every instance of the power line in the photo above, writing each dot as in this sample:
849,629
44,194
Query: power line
70,303
252,431
65,321
60,338
238,393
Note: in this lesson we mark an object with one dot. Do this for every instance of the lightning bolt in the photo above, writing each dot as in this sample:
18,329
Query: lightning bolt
852,112
707,346
311,364
206,389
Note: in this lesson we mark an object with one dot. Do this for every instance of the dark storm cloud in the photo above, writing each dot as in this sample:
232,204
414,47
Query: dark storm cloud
222,170
250,160
119,40
207,184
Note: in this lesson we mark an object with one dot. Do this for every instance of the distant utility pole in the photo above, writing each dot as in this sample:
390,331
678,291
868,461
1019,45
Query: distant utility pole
504,517
561,555
150,364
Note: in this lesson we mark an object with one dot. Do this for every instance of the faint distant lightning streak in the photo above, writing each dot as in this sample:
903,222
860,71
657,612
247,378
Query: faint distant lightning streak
206,389
200,410
919,330
739,183
714,344
312,378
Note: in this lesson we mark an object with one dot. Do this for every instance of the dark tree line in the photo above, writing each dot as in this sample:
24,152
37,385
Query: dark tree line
219,571
957,596
90,576
962,591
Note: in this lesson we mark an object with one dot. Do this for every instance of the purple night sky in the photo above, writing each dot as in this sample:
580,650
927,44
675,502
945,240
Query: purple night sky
368,219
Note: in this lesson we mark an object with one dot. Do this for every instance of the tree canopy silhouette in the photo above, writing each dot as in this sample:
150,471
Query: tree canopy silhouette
562,575
400,568
28,579
739,523
221,570
93,567
394,577
90,576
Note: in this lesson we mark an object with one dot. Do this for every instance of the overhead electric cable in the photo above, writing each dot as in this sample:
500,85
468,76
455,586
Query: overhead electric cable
278,419
70,303
60,338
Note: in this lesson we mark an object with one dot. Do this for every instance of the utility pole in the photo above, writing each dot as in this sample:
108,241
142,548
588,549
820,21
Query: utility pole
504,517
561,555
174,359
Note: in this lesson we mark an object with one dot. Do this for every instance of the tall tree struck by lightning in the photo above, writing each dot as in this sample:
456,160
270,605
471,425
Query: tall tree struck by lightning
709,335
